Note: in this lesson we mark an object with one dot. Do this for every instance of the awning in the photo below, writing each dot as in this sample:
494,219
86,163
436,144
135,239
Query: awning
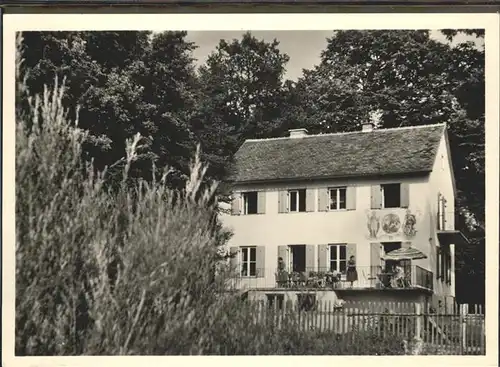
405,253
453,237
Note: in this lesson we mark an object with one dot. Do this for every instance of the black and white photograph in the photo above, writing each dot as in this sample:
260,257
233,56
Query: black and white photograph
251,192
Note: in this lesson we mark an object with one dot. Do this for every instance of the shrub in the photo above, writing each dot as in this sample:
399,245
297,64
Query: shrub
100,271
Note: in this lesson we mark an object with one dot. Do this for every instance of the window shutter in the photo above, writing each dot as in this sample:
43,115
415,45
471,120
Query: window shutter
442,265
260,261
283,253
449,269
323,200
376,199
351,198
283,201
236,204
351,251
235,260
310,202
438,263
323,258
261,202
310,258
375,259
405,195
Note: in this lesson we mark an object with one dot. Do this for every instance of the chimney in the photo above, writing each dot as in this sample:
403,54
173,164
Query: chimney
374,122
367,127
297,133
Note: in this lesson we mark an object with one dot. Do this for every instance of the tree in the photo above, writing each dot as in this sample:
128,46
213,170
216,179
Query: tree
241,91
467,70
48,55
121,83
398,72
170,96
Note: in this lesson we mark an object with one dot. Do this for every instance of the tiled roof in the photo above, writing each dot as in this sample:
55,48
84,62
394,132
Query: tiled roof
378,152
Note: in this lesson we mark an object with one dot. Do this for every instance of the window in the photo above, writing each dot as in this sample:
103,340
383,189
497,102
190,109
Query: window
388,247
391,195
445,268
338,258
297,200
248,261
337,198
444,265
275,300
250,202
307,302
297,257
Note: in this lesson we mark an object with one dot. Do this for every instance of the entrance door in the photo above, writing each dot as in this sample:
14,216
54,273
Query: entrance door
388,247
297,257
390,264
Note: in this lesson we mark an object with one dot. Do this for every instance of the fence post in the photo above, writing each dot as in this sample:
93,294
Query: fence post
481,336
463,329
418,321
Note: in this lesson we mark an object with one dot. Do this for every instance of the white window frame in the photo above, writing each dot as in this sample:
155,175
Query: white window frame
244,202
249,261
289,255
338,260
382,195
297,202
337,189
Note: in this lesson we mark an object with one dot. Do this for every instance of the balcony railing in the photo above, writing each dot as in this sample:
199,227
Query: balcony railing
369,277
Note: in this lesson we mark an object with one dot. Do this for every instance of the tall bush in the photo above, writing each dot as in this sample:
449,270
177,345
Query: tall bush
106,272
133,270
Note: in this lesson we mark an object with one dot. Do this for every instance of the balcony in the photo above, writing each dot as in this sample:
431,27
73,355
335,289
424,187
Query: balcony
369,278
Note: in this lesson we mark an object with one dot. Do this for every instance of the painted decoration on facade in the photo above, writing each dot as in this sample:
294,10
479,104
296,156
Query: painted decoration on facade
373,224
409,224
391,224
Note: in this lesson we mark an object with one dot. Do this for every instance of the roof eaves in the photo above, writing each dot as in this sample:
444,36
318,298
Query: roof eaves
331,177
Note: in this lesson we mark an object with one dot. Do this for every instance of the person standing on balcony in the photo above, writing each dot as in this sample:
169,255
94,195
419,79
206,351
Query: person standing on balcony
282,275
352,274
281,264
399,276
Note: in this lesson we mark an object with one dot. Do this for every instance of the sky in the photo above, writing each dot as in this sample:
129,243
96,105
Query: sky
303,47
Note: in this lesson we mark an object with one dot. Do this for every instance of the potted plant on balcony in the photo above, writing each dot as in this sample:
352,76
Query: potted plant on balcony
321,279
333,278
316,279
295,278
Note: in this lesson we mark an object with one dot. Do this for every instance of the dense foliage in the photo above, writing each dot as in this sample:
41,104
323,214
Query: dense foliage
129,271
76,225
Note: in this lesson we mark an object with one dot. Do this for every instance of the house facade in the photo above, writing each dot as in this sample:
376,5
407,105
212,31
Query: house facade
305,205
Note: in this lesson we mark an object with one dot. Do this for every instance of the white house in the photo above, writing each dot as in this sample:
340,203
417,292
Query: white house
318,200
